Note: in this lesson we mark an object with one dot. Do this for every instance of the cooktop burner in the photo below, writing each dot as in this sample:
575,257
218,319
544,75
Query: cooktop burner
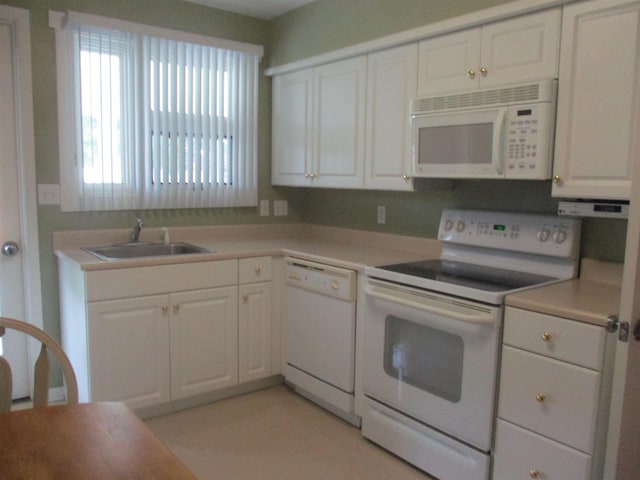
468,275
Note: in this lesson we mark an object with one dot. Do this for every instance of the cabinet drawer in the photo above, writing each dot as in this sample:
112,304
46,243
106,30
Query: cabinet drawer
556,399
256,269
520,453
139,281
559,338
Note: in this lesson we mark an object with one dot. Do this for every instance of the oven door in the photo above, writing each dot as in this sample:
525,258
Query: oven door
433,358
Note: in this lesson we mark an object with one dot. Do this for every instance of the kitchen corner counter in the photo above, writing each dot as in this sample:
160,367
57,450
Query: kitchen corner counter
587,299
345,248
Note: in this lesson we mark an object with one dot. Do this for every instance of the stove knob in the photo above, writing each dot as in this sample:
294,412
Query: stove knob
460,226
559,236
543,235
448,225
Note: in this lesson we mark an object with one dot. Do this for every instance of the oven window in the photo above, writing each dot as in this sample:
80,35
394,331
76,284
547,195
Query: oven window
424,357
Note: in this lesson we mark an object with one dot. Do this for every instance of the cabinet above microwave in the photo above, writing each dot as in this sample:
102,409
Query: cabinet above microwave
498,133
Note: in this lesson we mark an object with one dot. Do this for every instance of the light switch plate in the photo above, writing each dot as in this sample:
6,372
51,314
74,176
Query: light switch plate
382,214
48,194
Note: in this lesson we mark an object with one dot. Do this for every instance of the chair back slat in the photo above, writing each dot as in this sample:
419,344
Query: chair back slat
42,367
6,385
41,379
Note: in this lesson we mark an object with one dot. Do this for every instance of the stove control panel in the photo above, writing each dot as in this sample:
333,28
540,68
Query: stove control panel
520,232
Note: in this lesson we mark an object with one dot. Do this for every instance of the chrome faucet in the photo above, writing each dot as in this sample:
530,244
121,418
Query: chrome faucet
135,233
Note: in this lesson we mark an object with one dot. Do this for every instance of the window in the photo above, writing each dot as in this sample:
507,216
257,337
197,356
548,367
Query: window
153,118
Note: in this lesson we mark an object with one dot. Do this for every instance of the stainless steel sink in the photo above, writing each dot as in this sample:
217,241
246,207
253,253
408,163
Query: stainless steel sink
144,249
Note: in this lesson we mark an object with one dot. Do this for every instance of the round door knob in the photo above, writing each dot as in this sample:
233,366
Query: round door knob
483,71
556,179
10,249
540,398
546,336
534,473
471,73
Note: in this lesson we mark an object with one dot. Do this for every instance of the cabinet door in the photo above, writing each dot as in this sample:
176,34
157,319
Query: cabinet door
449,63
339,116
598,101
392,76
129,350
291,136
520,50
254,331
204,340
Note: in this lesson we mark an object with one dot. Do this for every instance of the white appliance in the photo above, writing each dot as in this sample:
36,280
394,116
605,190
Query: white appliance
500,133
319,334
432,333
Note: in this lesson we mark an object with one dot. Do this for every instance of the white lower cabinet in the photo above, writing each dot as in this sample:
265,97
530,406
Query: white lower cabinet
128,351
150,335
204,341
552,412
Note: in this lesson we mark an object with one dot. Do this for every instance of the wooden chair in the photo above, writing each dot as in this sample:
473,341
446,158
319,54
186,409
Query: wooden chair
41,369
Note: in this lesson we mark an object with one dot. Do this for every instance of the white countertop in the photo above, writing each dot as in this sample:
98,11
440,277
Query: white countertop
345,248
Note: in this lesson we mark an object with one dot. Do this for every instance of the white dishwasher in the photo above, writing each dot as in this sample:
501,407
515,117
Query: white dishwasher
319,331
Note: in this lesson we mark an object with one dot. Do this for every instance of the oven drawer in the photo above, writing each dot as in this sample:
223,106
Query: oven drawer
555,399
523,454
566,340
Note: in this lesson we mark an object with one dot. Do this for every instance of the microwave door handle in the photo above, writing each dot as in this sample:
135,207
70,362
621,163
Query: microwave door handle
483,319
499,136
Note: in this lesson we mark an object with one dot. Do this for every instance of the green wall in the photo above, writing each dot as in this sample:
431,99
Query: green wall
165,13
316,28
327,25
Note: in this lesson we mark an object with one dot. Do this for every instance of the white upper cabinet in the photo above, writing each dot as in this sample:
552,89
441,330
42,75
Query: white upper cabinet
523,49
339,115
598,101
318,125
291,110
392,79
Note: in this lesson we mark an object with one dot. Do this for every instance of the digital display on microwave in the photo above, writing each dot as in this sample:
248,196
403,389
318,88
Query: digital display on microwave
522,113
500,228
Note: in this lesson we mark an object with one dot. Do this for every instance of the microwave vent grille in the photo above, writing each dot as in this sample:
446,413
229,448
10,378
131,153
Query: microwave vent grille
500,96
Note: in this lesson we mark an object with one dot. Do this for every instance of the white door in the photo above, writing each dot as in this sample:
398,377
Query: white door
13,346
623,461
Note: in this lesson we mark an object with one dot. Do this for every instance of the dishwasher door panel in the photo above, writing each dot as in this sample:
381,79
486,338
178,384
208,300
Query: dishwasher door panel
319,335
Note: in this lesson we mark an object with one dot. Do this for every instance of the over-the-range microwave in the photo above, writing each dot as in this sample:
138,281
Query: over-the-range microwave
499,133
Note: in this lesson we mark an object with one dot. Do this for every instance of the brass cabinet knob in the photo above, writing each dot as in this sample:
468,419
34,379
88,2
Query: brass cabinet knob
483,71
176,307
546,336
556,179
534,473
406,177
165,308
471,73
258,270
540,398
245,297
306,175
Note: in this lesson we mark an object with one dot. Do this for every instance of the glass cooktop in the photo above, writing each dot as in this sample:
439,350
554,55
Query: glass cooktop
468,275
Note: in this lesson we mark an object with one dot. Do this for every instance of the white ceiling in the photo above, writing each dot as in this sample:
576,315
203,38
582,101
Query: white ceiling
265,9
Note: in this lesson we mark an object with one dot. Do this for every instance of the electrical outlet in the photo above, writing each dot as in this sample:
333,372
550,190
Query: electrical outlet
382,214
48,194
280,208
264,208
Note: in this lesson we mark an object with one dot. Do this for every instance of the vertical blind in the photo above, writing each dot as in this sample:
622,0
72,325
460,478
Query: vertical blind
158,122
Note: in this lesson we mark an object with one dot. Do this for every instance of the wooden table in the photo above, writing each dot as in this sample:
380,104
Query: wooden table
83,441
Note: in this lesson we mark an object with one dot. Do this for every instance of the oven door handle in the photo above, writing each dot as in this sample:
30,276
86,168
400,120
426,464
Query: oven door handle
480,319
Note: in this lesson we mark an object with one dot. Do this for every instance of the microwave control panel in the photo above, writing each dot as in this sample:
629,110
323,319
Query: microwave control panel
529,143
